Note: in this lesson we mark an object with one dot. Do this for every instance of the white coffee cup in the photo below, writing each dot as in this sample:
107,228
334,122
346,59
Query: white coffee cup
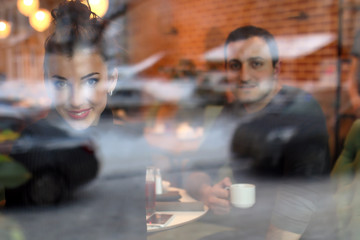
242,195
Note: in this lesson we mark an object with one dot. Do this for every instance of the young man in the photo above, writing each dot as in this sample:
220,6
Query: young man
278,141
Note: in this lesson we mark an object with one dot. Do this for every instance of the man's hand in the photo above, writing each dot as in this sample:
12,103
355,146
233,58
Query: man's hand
217,197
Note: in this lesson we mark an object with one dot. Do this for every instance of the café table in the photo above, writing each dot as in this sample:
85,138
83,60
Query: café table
171,152
180,217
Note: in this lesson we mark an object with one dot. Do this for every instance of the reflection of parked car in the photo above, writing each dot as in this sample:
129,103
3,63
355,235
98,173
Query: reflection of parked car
59,164
130,97
12,174
10,126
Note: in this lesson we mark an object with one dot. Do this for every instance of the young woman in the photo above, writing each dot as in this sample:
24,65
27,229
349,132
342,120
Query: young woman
63,150
79,73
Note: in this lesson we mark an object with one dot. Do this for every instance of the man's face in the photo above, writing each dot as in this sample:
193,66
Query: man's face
79,87
250,70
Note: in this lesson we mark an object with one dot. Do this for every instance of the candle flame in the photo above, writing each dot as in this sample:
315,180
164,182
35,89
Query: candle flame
185,131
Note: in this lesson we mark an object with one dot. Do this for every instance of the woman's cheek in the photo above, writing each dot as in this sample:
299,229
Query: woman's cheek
91,95
99,94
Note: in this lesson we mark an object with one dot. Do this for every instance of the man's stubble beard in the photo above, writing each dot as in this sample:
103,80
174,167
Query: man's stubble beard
271,87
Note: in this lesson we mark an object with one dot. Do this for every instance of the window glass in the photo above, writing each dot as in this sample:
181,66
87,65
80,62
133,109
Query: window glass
239,118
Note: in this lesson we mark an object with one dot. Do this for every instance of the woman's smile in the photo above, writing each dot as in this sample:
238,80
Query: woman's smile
79,114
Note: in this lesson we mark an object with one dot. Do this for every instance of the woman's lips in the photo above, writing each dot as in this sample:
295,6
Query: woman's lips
80,114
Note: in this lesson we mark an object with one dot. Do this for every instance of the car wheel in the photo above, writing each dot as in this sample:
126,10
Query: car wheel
47,188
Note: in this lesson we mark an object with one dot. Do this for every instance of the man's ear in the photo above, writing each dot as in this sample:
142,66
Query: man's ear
113,80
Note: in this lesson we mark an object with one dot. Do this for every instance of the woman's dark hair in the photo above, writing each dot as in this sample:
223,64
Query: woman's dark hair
247,32
76,26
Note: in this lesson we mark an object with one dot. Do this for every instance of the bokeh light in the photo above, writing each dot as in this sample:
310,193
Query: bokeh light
40,20
28,7
5,29
99,7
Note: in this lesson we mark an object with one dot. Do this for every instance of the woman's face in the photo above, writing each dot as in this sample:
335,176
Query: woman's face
79,86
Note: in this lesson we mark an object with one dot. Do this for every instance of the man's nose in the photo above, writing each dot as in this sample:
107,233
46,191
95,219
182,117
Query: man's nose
243,74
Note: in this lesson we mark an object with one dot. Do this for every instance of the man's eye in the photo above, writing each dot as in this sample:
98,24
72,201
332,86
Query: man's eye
60,84
235,65
256,64
91,82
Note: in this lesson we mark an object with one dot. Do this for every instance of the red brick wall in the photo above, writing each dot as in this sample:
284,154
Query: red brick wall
204,24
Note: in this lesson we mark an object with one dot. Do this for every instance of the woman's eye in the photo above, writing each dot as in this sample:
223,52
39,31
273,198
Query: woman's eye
60,84
91,82
256,64
235,65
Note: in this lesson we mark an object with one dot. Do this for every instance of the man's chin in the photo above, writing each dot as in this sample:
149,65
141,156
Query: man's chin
249,99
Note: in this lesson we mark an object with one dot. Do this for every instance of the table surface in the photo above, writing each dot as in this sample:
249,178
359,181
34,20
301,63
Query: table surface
180,217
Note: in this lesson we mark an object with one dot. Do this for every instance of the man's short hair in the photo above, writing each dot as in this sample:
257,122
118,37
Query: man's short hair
246,32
